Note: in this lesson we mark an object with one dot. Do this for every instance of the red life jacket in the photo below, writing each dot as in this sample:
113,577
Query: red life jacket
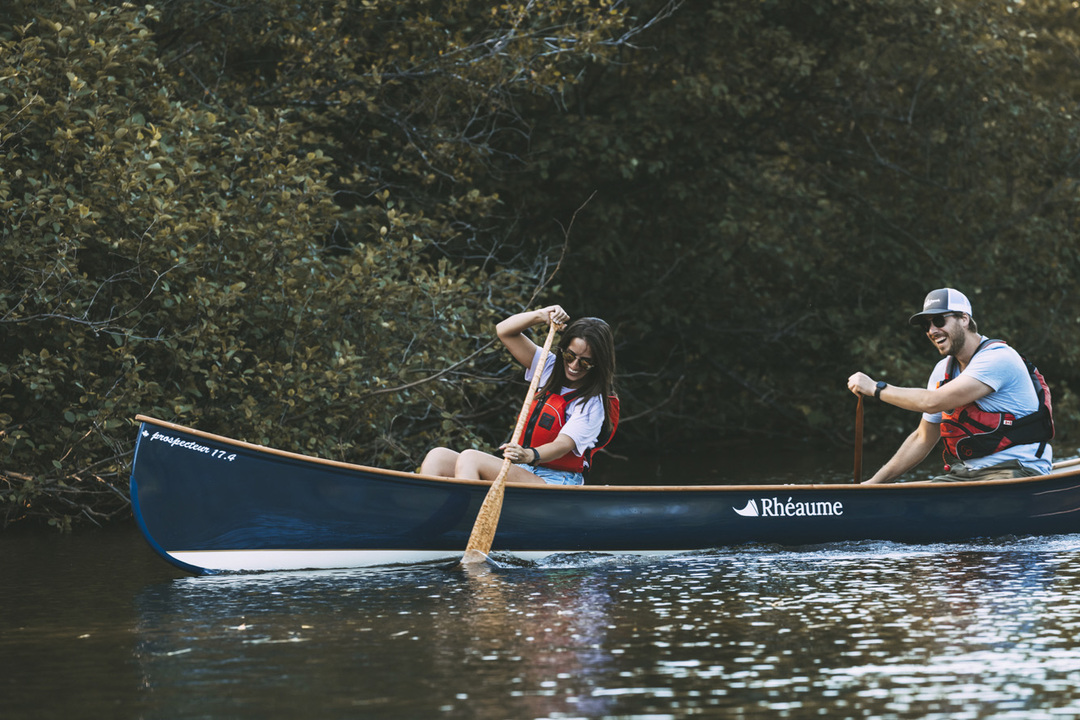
970,432
546,419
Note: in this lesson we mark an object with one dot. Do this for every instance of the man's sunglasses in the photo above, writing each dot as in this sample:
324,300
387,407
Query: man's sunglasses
570,356
938,321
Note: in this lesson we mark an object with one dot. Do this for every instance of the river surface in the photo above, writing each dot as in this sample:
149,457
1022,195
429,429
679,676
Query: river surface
94,625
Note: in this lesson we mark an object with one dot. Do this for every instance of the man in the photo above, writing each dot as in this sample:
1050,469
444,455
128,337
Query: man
975,400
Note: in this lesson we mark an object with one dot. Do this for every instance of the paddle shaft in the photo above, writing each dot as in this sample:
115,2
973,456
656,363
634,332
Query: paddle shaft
483,532
858,440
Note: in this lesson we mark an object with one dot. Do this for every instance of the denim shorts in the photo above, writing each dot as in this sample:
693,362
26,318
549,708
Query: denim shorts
555,477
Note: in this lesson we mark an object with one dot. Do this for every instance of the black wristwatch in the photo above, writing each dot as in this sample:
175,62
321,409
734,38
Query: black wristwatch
881,385
536,457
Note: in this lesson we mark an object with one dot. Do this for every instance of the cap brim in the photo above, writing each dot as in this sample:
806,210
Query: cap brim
914,319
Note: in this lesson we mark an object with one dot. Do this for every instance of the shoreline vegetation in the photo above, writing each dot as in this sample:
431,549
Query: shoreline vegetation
298,225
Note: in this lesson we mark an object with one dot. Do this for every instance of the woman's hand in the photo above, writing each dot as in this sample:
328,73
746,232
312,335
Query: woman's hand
511,331
517,454
553,314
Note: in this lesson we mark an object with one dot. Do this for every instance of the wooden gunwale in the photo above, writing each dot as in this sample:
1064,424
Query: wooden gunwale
600,488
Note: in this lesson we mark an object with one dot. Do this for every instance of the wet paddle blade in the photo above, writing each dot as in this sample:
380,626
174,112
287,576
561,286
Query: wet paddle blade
487,520
483,532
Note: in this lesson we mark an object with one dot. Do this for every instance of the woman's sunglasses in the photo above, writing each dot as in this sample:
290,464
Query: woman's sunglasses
938,321
570,356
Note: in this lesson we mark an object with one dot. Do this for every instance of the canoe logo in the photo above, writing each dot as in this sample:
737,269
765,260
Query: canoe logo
775,507
749,511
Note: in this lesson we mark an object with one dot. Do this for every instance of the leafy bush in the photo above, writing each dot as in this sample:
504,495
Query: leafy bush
779,184
163,258
296,223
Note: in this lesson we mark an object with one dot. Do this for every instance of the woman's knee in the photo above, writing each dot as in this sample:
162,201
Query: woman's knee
439,461
471,464
469,458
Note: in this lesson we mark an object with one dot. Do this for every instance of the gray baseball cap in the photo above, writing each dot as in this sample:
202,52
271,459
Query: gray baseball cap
943,300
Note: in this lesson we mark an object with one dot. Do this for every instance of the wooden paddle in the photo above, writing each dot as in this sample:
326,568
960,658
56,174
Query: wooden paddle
858,440
483,532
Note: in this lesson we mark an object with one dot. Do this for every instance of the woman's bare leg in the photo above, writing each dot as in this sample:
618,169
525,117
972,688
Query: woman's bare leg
440,462
476,465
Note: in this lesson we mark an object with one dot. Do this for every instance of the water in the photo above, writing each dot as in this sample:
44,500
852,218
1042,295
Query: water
95,626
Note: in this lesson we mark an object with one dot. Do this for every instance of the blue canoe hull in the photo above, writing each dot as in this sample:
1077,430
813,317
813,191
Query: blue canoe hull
211,504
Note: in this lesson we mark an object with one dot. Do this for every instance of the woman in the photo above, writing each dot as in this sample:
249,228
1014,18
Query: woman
575,411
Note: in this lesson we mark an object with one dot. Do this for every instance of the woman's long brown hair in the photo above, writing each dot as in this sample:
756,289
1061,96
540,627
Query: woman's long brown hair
600,380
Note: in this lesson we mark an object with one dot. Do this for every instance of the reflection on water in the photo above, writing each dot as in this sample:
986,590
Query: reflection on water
866,630
857,632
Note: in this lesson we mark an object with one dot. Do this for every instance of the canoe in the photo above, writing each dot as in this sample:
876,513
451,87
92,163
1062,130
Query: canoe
211,504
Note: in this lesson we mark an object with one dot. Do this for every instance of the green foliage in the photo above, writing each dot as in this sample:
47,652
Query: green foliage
296,223
191,261
779,184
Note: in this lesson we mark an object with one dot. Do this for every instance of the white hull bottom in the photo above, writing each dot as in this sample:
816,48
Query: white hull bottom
239,561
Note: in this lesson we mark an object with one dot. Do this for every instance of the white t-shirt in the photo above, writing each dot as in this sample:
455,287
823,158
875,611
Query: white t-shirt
584,418
1000,367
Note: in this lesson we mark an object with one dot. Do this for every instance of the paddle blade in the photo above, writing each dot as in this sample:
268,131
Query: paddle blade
483,532
487,520
474,557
